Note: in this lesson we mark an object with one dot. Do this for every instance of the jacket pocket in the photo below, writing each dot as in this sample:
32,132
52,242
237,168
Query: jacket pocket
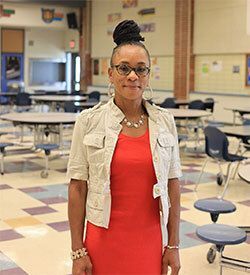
95,144
166,140
165,145
94,140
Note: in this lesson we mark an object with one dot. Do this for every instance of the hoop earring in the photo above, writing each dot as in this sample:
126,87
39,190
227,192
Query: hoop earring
110,92
150,94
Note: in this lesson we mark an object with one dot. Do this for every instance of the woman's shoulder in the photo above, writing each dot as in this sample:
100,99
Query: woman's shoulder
162,112
97,110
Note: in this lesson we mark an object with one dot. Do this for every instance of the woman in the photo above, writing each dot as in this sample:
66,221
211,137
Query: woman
124,168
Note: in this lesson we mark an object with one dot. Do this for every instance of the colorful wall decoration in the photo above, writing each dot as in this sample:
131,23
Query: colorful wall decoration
148,27
114,17
146,11
49,15
129,3
6,12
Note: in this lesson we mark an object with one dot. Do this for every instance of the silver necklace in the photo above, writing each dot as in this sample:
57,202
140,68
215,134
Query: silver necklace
132,124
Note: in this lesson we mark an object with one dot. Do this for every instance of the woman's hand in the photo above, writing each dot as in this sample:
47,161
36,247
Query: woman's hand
171,258
82,266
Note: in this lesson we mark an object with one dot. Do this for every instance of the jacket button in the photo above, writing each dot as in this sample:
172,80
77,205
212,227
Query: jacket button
157,190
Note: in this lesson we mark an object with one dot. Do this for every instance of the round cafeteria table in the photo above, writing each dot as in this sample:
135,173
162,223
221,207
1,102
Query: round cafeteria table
244,172
53,100
56,119
188,113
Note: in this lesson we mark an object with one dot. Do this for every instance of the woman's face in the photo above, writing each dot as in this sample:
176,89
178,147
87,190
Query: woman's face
132,85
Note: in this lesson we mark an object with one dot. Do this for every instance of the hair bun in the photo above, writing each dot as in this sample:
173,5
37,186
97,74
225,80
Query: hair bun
127,31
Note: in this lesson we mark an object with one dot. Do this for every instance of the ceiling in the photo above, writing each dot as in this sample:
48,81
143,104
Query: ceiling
72,3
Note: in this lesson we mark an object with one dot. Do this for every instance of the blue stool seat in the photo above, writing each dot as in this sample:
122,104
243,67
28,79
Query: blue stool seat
215,206
221,234
47,147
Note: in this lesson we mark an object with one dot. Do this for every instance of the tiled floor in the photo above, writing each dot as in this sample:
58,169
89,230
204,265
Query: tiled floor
34,232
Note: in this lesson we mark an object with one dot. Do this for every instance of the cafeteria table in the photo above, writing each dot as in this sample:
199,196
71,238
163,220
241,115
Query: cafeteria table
188,113
53,100
236,110
42,122
241,132
244,172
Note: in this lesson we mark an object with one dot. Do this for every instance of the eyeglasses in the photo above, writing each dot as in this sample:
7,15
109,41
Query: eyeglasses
125,70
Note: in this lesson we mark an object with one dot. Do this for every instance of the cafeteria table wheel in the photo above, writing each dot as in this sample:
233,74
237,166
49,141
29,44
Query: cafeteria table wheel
44,174
219,179
211,254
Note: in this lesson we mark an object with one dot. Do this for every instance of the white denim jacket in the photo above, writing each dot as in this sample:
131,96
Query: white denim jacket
94,140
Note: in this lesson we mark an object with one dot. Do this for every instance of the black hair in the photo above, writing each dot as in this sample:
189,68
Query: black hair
127,32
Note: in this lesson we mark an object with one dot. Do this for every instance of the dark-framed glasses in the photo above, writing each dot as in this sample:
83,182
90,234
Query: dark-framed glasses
124,69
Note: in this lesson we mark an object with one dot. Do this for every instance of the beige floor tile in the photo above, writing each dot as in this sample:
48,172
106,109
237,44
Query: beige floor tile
22,221
48,255
12,202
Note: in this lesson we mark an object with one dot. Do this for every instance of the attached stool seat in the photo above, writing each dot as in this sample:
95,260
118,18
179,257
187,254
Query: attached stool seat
221,235
215,207
47,149
3,145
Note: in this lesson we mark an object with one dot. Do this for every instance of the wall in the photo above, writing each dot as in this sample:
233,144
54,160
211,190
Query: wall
42,40
220,35
46,45
160,46
214,73
220,43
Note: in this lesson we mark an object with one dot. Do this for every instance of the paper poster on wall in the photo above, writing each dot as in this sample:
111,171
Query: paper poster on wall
114,17
248,71
49,15
154,61
205,68
96,66
216,66
110,30
156,72
236,69
146,11
149,27
129,3
6,12
104,70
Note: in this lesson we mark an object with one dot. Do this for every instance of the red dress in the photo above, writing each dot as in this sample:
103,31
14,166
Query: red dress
132,244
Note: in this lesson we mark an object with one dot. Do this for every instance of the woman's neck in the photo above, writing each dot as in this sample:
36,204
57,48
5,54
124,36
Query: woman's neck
131,108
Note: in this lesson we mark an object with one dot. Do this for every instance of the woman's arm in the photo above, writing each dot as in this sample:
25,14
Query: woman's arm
174,212
171,256
77,195
76,211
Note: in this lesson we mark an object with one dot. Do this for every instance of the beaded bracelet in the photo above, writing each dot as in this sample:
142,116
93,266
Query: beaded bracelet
79,253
